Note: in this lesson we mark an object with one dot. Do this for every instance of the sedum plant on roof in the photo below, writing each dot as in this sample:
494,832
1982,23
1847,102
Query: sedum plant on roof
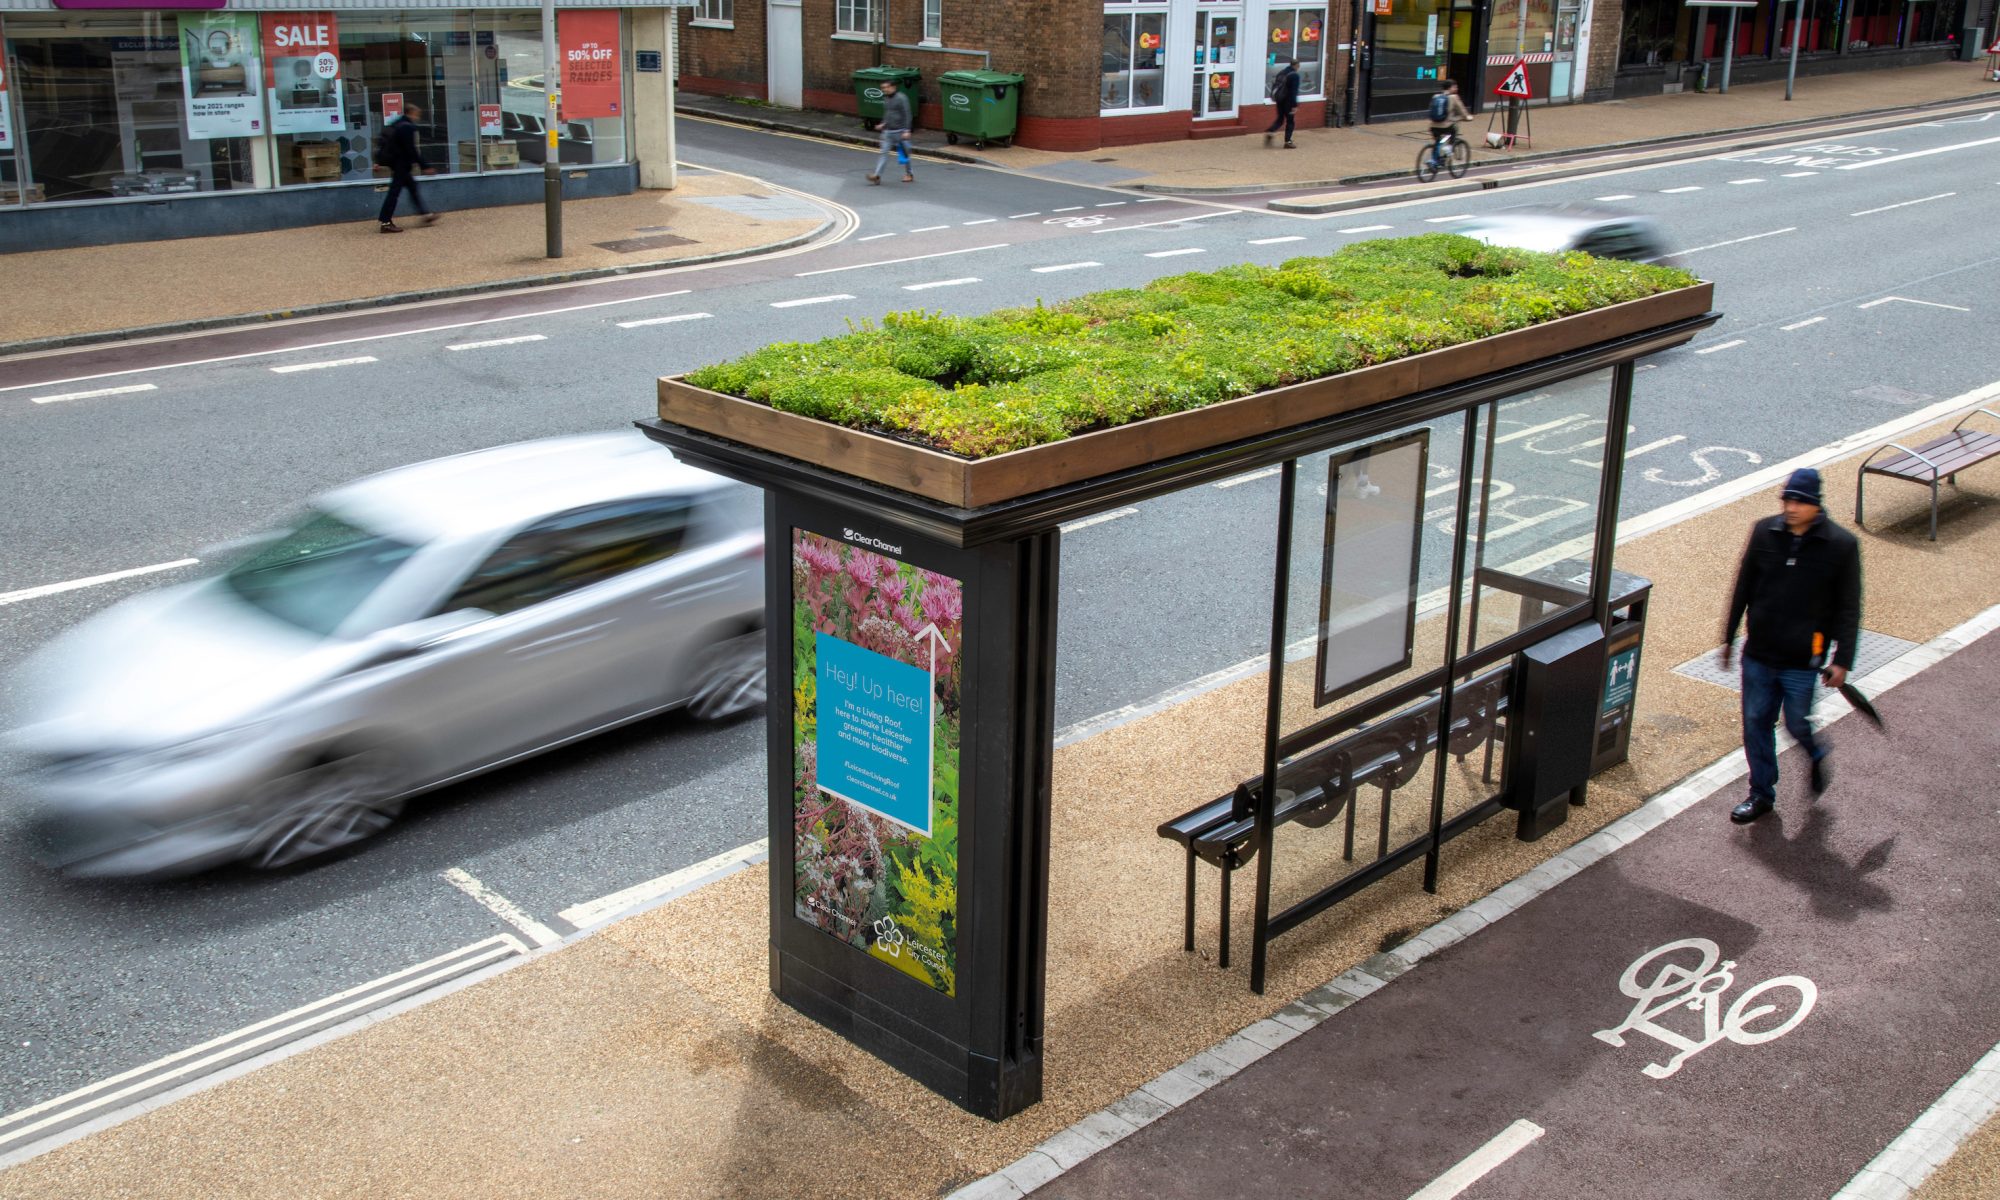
978,386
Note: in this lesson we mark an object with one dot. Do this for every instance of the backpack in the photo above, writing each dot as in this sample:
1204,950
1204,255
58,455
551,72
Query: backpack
385,145
1440,109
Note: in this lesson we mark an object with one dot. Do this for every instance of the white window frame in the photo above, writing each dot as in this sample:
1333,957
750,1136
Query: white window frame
1325,10
933,23
1136,9
715,14
844,12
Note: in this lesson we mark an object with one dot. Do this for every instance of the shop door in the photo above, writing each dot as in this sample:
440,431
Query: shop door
1217,35
1466,61
1411,52
784,54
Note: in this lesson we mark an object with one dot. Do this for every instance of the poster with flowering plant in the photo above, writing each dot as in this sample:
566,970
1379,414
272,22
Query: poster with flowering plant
875,711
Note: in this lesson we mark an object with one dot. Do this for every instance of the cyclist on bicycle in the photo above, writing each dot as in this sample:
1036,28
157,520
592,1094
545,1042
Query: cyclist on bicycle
1446,111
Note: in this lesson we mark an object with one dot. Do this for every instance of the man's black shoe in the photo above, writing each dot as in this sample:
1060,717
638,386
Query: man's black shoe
1822,776
1751,808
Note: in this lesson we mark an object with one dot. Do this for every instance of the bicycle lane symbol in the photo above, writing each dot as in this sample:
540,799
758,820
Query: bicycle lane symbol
1692,974
1086,221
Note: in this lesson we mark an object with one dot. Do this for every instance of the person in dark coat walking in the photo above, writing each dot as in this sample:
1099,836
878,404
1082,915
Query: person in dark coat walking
1285,94
404,159
1800,585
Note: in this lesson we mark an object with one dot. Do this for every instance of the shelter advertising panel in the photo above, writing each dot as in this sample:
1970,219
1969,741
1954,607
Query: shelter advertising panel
6,115
876,646
220,75
592,82
1374,540
302,65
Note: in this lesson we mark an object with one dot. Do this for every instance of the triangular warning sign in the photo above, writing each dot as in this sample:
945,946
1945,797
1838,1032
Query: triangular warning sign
1516,83
1995,47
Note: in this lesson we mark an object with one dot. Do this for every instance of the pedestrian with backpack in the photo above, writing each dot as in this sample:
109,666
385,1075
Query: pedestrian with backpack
1285,94
397,150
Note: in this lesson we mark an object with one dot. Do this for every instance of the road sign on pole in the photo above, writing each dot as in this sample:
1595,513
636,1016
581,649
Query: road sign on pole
1516,83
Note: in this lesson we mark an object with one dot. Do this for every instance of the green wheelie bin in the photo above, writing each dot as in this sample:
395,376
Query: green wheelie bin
868,83
981,105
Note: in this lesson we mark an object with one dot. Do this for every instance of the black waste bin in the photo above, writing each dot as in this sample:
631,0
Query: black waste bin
981,105
868,83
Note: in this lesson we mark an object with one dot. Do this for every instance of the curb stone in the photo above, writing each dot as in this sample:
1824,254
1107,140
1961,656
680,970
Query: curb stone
828,135
1892,1175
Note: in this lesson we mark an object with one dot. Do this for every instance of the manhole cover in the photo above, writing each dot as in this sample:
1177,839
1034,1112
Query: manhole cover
658,241
1891,395
1877,650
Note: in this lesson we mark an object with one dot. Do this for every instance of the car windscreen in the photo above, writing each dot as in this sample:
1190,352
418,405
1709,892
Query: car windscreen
317,574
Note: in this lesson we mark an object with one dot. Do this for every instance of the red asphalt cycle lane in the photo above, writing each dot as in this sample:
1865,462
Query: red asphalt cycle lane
1878,899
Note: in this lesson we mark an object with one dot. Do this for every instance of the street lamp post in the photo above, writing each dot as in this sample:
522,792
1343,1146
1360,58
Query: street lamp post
551,152
1798,27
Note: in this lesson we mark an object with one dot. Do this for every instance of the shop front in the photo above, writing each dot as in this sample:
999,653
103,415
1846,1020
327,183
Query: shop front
1662,38
1190,67
113,106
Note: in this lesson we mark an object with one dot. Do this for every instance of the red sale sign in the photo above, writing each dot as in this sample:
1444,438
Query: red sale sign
592,82
302,72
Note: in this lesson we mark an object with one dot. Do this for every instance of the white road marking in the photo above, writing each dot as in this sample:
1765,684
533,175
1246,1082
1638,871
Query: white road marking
1023,216
1478,1164
1075,266
981,221
1905,204
1222,212
1175,253
1734,241
595,912
930,228
1152,200
1907,300
1719,346
1274,241
1619,196
1801,324
1071,208
1364,228
491,343
1112,204
501,907
938,283
890,262
665,320
1677,191
126,390
1632,454
321,366
1099,519
874,237
1876,162
810,300
1686,969
1741,182
1534,429
1799,174
50,589
1254,476
1453,217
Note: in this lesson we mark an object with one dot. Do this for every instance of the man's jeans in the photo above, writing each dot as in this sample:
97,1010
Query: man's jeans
1766,689
894,141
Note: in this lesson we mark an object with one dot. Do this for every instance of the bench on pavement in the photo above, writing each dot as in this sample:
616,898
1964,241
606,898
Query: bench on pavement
1941,458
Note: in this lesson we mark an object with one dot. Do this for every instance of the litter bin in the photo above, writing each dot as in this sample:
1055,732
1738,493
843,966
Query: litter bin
981,105
1971,42
868,83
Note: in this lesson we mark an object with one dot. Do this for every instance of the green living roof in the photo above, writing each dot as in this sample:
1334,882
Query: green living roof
978,386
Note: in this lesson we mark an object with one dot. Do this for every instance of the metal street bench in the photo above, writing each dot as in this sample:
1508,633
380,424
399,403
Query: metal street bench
1940,458
1315,787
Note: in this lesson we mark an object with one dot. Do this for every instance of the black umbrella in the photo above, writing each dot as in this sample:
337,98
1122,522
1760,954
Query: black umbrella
1861,703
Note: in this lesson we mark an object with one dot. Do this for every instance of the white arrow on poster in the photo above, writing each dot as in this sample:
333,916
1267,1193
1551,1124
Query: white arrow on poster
1516,83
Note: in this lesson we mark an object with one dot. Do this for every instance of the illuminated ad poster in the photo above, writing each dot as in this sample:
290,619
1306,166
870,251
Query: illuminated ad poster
6,114
875,719
220,75
302,65
592,80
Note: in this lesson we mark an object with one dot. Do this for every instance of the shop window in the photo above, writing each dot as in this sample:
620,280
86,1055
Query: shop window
1135,56
1297,33
1654,32
1528,28
715,12
934,22
1933,21
1818,26
1875,24
857,18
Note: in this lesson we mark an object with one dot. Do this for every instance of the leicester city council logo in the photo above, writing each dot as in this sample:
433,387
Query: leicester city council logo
888,938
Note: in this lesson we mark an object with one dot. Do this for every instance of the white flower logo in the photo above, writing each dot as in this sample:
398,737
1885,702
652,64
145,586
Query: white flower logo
888,938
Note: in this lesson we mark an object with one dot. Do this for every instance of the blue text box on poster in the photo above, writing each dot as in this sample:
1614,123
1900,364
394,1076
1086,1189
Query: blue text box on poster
874,731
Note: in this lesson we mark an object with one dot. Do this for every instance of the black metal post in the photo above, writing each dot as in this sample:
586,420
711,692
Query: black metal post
1274,706
1452,611
1607,494
1479,547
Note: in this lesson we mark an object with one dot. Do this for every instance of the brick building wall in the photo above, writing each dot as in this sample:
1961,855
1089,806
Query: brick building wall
1607,22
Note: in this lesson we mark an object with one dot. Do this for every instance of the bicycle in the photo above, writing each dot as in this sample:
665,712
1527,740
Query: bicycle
1450,152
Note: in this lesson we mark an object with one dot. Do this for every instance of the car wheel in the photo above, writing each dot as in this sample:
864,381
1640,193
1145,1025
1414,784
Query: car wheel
323,809
728,677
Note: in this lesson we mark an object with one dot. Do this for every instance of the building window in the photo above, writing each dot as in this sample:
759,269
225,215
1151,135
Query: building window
934,21
1135,57
715,12
1297,33
857,18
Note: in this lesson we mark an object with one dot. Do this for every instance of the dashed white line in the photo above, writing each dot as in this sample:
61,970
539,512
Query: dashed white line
1180,220
1111,204
1071,208
1152,200
930,228
890,262
1678,190
50,589
938,283
1023,216
1276,240
1905,204
1175,253
1799,174
1099,519
1801,324
1735,241
127,390
501,907
665,320
874,237
321,366
1252,477
1719,346
1876,162
1907,300
491,343
1476,1165
1741,182
1363,228
1619,196
1075,266
810,300
1442,220
981,221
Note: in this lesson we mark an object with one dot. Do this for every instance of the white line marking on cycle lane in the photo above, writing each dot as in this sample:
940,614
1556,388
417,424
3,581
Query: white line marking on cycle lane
1478,1164
501,907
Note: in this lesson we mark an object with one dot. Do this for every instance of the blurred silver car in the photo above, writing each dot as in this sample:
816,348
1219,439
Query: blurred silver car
409,630
1603,232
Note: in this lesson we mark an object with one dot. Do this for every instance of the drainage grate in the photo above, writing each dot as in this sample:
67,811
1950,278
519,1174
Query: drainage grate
658,241
1877,650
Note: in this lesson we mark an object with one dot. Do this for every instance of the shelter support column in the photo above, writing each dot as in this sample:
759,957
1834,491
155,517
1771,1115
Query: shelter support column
653,97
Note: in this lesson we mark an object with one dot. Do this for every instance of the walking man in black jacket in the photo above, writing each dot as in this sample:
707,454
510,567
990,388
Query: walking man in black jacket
1800,583
1285,94
404,159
